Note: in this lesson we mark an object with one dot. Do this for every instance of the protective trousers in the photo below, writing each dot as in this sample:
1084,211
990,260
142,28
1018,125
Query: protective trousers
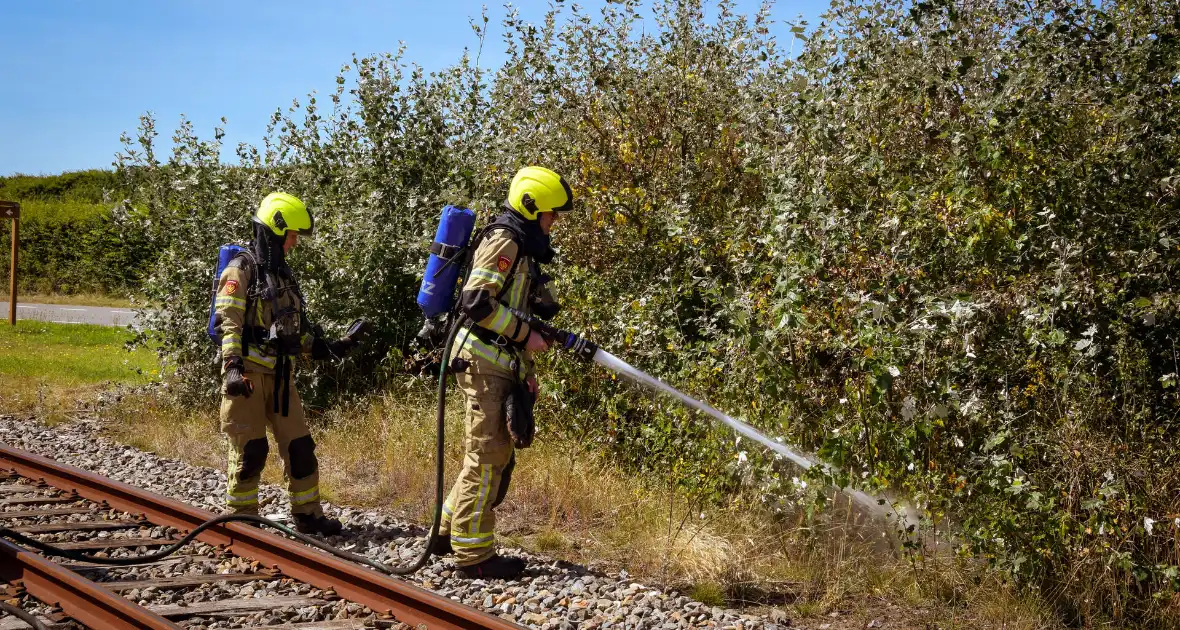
469,516
244,422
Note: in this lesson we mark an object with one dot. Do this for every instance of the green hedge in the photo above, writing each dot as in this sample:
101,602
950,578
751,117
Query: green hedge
74,235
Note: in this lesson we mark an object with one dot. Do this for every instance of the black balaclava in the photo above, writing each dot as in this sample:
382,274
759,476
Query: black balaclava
268,247
537,244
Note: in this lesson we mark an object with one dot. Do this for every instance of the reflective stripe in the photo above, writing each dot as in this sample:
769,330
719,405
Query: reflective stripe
231,302
231,347
516,294
485,485
262,360
246,498
501,320
477,347
489,275
305,497
473,543
448,510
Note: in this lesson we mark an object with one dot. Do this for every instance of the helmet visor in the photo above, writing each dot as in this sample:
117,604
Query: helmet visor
569,198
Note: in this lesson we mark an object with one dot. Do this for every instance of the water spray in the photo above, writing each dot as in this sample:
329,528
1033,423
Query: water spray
588,351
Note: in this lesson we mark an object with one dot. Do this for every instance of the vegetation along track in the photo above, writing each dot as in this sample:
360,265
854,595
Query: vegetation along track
75,509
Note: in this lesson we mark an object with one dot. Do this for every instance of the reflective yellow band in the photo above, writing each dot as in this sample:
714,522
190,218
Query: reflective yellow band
231,347
485,485
260,359
472,543
501,320
231,302
477,347
516,295
305,497
489,275
242,499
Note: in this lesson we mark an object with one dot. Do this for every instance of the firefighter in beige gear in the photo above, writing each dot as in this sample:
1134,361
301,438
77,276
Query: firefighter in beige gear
497,348
260,314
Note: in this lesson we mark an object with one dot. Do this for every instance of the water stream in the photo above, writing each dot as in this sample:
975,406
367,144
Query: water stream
618,366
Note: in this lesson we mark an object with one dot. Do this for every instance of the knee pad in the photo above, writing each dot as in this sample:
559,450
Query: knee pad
302,454
253,458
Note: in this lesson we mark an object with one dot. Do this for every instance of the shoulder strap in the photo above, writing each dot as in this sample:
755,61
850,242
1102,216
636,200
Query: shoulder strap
468,253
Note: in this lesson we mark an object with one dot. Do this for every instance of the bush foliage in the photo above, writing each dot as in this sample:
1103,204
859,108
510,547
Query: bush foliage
936,247
73,236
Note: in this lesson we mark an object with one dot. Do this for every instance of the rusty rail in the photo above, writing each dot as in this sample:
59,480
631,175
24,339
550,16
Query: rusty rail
410,604
85,601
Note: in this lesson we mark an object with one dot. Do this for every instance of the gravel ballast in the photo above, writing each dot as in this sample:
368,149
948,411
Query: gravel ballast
551,595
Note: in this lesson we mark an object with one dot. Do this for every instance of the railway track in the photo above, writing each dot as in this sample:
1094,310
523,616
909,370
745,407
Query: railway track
232,575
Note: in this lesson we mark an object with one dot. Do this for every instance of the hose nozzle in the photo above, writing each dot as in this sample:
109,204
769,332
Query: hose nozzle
582,348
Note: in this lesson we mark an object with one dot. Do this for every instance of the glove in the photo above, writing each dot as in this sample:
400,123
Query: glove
236,384
519,409
341,347
357,332
546,310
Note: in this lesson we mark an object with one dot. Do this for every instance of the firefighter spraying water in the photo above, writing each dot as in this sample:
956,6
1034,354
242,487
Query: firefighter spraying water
588,351
491,330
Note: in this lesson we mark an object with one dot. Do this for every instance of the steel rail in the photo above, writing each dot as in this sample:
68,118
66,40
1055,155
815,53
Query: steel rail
81,599
410,604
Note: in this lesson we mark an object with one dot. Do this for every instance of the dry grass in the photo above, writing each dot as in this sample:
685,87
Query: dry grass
569,504
147,423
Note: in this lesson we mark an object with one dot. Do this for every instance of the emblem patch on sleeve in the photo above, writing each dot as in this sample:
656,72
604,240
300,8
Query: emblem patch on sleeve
231,287
504,263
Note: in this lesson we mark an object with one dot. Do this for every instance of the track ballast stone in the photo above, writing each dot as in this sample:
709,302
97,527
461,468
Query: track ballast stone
551,594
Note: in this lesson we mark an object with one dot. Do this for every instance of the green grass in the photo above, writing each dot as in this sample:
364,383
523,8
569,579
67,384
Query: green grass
47,368
71,354
72,299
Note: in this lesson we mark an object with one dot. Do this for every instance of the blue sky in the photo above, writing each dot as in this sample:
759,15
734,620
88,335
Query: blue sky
74,75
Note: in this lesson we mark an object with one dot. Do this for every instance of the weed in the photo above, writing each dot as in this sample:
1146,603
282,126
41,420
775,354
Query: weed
707,593
550,541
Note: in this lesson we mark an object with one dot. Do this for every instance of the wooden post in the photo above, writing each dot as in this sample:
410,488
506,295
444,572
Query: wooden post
11,210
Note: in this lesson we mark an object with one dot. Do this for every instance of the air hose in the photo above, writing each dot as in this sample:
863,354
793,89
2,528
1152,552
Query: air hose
23,615
407,569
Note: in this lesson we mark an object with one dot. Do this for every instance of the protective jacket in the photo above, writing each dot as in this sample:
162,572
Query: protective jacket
503,278
246,313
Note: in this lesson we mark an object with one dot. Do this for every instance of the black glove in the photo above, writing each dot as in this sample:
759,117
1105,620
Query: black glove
545,310
322,350
357,332
519,409
341,347
236,384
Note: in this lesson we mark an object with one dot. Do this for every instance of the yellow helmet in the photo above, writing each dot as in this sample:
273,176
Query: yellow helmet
536,189
282,213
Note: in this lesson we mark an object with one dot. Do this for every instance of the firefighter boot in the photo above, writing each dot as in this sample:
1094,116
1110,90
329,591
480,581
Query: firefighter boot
317,524
496,567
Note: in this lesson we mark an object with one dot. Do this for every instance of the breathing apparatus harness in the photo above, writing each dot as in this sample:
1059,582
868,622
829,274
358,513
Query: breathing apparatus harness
269,266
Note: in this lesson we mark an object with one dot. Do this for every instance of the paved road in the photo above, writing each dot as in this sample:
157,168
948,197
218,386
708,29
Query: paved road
61,314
